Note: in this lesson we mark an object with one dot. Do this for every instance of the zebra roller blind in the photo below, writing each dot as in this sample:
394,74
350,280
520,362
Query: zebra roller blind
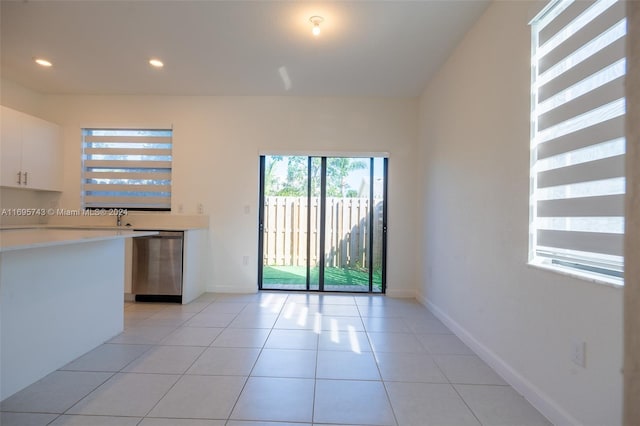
129,169
578,144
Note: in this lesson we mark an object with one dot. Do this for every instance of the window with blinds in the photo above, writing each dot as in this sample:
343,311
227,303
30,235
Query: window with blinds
578,144
128,169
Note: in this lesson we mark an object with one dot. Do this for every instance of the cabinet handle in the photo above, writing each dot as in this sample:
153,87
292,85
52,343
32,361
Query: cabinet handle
19,178
25,177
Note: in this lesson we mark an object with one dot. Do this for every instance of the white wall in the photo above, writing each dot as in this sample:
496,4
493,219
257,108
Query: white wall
14,198
20,98
216,146
474,165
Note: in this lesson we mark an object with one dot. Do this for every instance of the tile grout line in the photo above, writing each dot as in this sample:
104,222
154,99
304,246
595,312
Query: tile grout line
384,383
315,381
449,380
112,374
254,364
180,376
408,316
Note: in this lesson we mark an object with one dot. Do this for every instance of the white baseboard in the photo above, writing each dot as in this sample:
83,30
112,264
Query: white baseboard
243,289
541,401
238,289
400,293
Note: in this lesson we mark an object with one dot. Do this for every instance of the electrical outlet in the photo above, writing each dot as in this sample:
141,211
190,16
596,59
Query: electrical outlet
245,260
247,209
578,352
200,208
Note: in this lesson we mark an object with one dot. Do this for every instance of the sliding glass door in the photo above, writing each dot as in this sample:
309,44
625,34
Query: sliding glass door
284,222
322,223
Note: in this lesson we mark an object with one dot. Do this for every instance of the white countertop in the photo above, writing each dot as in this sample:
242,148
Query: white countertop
20,239
136,220
102,227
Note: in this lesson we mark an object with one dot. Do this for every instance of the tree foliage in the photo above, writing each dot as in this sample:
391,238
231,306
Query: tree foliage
296,182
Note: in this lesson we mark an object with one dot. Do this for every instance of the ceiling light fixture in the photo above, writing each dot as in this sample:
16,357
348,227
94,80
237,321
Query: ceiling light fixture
43,62
156,63
316,20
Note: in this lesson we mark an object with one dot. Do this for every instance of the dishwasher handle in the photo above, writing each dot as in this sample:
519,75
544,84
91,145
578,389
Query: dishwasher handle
166,234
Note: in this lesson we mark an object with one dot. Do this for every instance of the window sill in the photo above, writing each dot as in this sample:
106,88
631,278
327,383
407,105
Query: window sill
597,279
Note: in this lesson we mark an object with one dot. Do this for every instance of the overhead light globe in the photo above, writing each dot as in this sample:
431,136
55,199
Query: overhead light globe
316,20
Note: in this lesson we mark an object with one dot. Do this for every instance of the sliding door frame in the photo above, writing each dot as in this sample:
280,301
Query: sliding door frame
371,225
322,225
385,183
261,227
308,280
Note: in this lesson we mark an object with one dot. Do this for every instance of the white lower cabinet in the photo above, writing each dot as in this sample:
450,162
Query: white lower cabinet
31,152
194,265
194,278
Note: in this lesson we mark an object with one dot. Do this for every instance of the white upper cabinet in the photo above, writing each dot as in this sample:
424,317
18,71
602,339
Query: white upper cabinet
41,154
10,147
30,152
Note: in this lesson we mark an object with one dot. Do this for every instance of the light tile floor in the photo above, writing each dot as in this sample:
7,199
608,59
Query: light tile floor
275,359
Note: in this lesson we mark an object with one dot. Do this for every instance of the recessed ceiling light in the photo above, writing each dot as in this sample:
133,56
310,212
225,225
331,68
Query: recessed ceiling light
42,62
156,63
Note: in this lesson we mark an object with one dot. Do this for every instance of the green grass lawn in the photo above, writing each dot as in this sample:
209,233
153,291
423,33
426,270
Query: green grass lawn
272,276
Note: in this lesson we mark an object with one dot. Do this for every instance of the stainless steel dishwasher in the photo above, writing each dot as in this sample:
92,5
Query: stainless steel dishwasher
157,267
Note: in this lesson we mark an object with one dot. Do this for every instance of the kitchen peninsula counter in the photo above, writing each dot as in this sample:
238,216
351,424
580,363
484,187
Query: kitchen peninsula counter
60,296
26,238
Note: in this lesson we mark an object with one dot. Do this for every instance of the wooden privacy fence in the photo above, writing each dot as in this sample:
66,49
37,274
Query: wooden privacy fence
346,232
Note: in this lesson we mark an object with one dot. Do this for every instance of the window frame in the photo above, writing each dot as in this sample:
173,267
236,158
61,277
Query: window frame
591,266
155,168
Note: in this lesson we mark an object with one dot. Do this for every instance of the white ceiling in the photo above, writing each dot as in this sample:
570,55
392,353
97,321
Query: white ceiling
367,48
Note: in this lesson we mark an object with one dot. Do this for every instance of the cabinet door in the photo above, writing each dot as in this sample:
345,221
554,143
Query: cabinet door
10,146
41,154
